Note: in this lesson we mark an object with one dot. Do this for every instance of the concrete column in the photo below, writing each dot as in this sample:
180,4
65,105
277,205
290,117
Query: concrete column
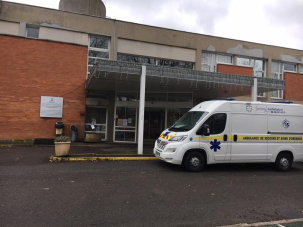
254,90
141,110
198,65
268,75
234,60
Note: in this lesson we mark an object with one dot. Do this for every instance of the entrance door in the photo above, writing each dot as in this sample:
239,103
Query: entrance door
154,123
96,121
125,124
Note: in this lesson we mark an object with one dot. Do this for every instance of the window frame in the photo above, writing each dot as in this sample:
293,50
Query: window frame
252,63
32,26
296,67
157,60
250,60
97,49
213,123
280,77
301,69
216,57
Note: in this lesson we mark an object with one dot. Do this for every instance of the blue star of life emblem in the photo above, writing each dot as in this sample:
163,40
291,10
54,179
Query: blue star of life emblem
285,123
215,145
248,108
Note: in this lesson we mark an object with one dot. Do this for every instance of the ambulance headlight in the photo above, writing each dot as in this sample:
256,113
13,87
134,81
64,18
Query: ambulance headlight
177,138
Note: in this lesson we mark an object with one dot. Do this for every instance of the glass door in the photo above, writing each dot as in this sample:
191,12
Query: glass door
125,124
154,123
96,121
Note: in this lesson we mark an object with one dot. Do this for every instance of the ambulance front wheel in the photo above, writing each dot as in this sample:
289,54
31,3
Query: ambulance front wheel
283,162
194,161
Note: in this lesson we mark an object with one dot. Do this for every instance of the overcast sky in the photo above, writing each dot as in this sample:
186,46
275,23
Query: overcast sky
274,22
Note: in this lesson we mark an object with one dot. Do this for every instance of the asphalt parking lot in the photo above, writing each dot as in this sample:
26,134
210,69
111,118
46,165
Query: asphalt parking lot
36,192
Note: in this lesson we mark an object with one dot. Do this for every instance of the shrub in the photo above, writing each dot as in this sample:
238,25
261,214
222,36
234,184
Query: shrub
62,139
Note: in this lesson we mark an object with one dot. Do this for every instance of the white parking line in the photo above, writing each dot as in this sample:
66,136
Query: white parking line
278,223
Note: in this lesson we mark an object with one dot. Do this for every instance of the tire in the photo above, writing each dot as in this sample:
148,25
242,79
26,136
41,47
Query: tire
283,162
194,162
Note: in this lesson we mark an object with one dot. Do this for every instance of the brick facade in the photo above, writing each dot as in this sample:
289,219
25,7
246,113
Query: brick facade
293,86
234,69
30,69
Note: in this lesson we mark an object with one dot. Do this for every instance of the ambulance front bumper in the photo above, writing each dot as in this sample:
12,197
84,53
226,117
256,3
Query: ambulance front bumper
167,152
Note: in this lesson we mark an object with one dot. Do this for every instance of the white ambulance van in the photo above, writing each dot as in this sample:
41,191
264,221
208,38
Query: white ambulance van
234,132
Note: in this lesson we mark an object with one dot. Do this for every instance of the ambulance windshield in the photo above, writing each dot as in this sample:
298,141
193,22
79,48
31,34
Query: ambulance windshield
188,121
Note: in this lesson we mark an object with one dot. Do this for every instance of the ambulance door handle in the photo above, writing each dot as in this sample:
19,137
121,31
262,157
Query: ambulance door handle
235,138
225,137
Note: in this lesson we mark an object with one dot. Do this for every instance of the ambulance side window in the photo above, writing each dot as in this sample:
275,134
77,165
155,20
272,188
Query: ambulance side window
220,123
217,123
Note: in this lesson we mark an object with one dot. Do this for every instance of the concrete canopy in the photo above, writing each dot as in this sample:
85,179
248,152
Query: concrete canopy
125,76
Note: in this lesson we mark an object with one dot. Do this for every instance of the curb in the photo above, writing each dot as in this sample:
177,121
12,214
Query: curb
91,159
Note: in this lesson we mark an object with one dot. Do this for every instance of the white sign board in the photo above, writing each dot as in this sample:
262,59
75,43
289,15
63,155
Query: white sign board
51,107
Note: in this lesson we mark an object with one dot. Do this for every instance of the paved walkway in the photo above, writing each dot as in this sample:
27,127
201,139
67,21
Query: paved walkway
96,149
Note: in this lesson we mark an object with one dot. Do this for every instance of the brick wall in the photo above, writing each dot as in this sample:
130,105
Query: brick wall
234,69
30,69
293,86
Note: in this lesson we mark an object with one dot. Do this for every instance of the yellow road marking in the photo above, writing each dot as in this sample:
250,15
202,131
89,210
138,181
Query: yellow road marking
84,159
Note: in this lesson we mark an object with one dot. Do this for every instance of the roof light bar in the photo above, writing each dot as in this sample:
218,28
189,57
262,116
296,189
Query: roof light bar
283,102
224,99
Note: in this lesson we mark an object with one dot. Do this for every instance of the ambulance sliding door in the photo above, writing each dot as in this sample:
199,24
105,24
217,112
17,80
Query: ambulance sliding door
248,132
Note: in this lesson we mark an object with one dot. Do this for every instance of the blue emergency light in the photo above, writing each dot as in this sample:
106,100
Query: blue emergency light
224,99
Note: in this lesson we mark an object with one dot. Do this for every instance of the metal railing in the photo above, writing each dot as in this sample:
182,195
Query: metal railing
187,74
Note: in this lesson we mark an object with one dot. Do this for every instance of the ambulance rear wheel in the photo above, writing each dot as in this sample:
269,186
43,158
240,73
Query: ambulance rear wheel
194,161
283,162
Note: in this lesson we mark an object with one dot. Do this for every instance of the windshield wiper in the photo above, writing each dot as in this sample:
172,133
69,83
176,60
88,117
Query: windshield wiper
176,129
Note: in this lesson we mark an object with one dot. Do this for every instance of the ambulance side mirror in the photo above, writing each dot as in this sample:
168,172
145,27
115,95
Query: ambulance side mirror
204,130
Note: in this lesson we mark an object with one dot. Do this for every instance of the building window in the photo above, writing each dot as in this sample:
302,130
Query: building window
136,59
277,73
127,97
154,61
177,64
290,67
98,50
32,32
243,61
257,65
301,70
224,59
174,114
180,97
209,61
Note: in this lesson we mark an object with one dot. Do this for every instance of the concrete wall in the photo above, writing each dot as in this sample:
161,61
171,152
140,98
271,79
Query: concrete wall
155,50
63,36
39,68
9,28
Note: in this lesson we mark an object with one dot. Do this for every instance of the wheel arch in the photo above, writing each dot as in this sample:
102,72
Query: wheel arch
290,153
202,151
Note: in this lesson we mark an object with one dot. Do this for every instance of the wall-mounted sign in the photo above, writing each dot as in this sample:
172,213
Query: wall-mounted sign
51,107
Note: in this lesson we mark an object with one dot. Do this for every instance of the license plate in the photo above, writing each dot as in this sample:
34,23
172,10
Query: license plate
157,153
